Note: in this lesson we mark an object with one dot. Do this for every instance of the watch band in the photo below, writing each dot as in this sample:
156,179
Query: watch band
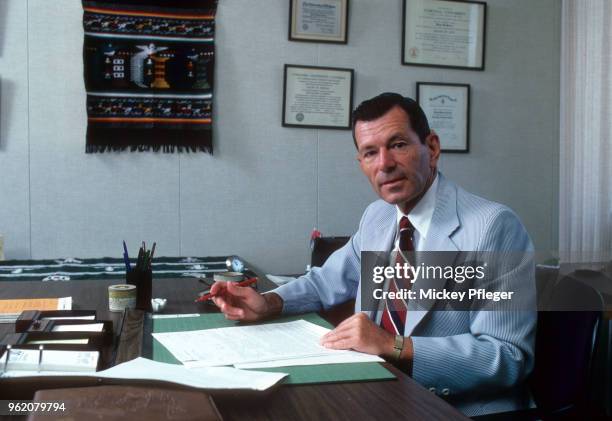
398,346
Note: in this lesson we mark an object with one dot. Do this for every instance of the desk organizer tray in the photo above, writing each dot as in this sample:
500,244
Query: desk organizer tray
28,317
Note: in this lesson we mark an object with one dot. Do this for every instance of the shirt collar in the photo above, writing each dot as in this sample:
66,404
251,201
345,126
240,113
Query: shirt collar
420,216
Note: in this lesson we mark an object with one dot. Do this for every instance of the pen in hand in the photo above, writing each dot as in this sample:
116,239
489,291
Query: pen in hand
245,283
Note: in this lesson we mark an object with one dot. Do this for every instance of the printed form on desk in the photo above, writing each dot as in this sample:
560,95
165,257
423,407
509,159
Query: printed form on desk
256,346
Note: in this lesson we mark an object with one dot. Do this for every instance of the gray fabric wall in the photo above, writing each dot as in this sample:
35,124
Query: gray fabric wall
266,187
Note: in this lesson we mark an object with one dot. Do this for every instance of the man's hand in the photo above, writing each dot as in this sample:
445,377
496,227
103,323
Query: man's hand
358,332
244,303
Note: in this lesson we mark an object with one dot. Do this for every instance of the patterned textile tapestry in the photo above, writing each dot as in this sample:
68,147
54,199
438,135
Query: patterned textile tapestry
149,74
72,269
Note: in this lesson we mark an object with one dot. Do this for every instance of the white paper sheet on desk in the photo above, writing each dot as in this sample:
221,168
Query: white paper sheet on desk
349,357
94,327
201,378
49,360
247,344
92,317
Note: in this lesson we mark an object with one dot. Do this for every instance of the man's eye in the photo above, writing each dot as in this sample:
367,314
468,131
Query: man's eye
399,145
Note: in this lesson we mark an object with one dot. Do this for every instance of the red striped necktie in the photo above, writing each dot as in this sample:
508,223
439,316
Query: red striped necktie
395,311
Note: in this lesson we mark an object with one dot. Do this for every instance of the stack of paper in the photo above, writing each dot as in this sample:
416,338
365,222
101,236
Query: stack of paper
268,345
11,309
50,360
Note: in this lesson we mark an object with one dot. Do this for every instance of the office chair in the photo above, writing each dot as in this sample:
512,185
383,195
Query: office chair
565,345
323,247
547,278
601,280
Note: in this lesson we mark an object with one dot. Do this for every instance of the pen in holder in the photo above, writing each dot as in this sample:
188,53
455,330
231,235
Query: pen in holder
141,276
143,280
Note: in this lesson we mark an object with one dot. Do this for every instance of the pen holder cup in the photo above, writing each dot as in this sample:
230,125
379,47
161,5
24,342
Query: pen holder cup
143,280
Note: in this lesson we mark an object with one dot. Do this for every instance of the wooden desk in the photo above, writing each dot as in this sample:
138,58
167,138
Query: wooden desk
397,399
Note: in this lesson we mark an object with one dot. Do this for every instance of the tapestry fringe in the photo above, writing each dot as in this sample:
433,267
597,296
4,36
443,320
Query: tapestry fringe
91,149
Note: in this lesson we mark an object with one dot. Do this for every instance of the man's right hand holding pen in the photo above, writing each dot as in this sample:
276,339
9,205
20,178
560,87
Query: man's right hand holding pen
244,303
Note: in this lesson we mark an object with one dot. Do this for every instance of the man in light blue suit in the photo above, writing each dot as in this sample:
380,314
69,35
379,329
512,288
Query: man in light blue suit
477,360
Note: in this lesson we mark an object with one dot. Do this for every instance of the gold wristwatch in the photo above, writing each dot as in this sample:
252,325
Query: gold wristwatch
397,347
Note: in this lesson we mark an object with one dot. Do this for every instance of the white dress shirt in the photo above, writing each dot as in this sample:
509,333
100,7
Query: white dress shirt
420,217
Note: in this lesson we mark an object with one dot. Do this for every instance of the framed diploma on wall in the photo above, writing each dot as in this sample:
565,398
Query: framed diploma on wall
317,97
318,21
447,107
444,33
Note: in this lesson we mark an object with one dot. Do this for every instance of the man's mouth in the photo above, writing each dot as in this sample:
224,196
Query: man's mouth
391,182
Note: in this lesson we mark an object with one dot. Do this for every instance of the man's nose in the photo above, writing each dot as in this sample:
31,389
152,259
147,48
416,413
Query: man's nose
386,160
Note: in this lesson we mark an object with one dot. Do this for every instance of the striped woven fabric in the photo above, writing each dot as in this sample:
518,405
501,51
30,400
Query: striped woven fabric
394,314
106,268
396,310
149,74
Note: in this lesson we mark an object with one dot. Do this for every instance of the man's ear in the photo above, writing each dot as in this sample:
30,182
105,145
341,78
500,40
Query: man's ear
432,142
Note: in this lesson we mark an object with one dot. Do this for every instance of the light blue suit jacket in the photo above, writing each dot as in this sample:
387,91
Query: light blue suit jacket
477,360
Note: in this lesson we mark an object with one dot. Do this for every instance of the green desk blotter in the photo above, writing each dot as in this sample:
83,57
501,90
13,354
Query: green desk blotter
328,373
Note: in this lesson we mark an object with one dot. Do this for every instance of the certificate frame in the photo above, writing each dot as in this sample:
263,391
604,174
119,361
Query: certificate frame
298,24
298,80
473,58
456,137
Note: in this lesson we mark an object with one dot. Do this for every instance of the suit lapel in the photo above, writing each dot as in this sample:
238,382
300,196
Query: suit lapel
383,234
380,238
444,223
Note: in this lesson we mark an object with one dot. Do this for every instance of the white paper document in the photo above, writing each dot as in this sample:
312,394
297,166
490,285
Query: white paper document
274,342
92,317
93,327
50,360
345,357
201,378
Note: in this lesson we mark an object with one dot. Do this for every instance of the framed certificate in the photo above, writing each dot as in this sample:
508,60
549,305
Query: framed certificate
447,107
319,97
444,33
318,21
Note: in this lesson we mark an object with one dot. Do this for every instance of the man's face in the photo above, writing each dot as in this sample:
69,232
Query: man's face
393,158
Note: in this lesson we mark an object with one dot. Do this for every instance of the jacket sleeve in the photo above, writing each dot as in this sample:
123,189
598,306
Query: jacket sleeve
498,351
324,287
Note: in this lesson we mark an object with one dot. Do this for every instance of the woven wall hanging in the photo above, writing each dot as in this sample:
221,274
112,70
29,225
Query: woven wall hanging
149,74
